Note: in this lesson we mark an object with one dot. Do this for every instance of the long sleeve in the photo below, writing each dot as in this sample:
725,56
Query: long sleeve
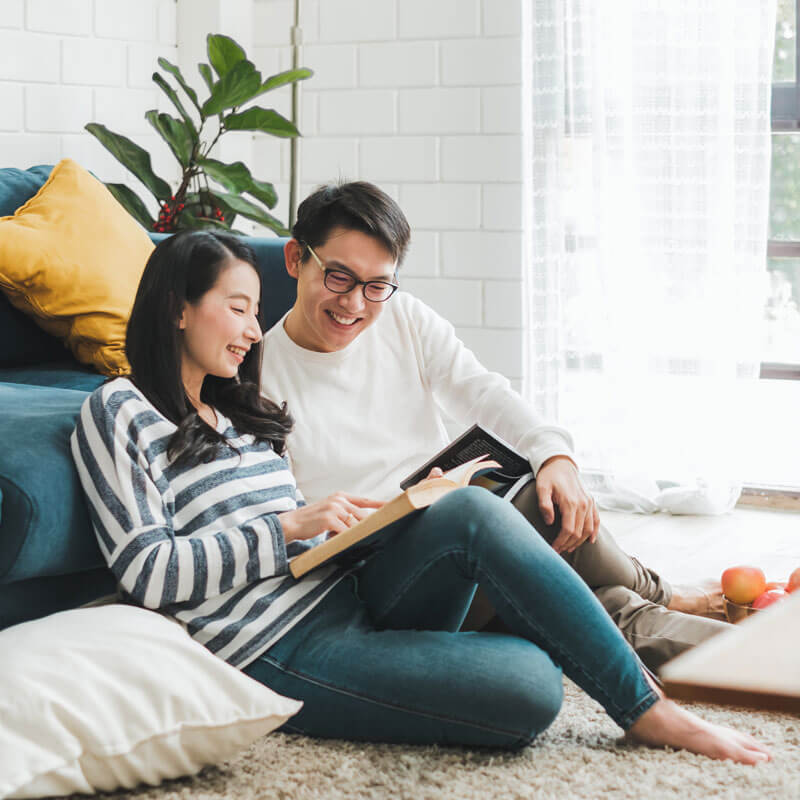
133,512
468,392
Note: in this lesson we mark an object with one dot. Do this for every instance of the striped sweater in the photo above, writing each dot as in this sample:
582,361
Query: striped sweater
202,543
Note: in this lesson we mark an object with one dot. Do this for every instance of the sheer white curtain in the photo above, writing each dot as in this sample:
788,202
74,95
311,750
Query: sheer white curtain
646,186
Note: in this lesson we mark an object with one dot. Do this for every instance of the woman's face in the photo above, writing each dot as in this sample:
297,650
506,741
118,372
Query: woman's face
220,327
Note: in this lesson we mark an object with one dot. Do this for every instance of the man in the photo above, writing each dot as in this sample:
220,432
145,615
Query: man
367,372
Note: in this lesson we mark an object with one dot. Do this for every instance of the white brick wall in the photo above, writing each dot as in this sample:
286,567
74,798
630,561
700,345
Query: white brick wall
422,98
13,14
68,16
64,63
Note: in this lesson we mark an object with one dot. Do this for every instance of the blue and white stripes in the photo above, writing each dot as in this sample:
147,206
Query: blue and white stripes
202,543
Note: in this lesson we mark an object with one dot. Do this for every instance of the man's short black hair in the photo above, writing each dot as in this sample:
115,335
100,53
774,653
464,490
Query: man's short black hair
359,206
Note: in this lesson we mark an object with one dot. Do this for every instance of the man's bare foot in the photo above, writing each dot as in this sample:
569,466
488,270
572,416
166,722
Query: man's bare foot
666,723
703,599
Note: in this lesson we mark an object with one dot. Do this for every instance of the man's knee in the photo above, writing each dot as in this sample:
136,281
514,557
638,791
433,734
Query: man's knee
655,633
527,503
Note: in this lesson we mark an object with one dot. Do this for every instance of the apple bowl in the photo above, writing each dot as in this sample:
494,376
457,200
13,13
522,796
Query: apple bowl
736,612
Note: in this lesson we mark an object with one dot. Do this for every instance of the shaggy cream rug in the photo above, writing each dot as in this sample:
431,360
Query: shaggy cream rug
580,756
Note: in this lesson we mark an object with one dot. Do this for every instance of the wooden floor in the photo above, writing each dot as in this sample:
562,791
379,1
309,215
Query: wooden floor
686,549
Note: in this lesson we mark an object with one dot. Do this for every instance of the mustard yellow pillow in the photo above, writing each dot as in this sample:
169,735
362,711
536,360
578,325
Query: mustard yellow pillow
72,257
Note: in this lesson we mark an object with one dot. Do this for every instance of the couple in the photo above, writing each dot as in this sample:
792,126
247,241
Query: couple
192,477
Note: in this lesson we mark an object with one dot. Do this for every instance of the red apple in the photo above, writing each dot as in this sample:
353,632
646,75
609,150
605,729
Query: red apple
768,598
743,584
775,585
794,581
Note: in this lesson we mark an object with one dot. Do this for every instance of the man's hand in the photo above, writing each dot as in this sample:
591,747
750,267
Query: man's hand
557,482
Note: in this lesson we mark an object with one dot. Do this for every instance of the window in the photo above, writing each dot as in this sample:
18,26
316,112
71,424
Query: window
781,350
774,451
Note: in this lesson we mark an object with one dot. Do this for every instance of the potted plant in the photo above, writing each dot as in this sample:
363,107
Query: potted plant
191,137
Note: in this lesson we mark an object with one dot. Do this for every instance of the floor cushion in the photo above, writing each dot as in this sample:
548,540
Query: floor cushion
96,699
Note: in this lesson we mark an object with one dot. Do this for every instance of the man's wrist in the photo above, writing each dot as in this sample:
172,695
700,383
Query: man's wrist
559,458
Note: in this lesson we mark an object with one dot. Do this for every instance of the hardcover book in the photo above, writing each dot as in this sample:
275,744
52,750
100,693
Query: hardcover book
359,539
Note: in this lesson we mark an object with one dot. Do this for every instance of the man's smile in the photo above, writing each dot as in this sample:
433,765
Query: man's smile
341,319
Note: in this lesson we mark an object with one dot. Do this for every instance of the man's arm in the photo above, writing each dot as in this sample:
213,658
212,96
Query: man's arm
468,392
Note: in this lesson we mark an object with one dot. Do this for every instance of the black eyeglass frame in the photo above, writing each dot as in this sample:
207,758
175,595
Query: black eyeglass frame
352,278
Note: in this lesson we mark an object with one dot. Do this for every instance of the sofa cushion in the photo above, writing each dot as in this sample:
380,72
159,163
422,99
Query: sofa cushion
278,288
59,375
17,185
72,257
22,341
33,598
45,527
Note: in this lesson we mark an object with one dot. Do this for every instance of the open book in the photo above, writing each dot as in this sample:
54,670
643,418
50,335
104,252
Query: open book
358,540
513,470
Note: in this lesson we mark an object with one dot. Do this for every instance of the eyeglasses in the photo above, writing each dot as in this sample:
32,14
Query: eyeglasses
341,282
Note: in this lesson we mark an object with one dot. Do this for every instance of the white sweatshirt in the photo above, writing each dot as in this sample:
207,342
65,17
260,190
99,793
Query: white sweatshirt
369,415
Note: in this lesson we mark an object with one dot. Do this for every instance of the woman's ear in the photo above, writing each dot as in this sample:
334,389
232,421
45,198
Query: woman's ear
292,254
174,311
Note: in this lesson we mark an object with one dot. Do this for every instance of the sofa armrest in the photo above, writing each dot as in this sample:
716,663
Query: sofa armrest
45,527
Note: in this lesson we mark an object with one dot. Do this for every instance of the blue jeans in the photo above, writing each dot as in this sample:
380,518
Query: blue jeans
381,658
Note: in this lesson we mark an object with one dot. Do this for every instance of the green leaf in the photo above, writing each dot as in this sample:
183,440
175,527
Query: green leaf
252,211
261,119
236,178
282,78
178,75
223,53
238,86
132,157
205,72
132,203
175,133
265,192
176,101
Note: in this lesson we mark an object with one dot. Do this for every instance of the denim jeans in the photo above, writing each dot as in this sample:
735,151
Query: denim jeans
381,658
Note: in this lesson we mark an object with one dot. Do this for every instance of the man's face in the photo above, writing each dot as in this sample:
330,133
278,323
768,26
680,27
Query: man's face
320,319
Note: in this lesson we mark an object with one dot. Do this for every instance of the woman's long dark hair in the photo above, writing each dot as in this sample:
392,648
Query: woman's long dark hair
181,270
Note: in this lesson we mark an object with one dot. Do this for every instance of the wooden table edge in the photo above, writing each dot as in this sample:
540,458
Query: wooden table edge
767,701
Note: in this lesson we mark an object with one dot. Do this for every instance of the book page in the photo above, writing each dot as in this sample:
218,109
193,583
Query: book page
459,474
471,444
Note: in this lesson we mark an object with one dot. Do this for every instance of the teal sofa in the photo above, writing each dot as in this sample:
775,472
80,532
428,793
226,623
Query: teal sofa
49,559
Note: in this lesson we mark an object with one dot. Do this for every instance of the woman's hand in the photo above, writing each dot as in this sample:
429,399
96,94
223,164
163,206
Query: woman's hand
335,513
558,482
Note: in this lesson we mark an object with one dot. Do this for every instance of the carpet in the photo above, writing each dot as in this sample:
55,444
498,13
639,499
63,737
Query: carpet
582,755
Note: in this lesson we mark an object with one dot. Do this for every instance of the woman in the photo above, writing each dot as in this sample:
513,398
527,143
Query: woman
197,513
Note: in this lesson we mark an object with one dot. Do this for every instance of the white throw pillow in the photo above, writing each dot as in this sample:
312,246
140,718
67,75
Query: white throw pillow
97,699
